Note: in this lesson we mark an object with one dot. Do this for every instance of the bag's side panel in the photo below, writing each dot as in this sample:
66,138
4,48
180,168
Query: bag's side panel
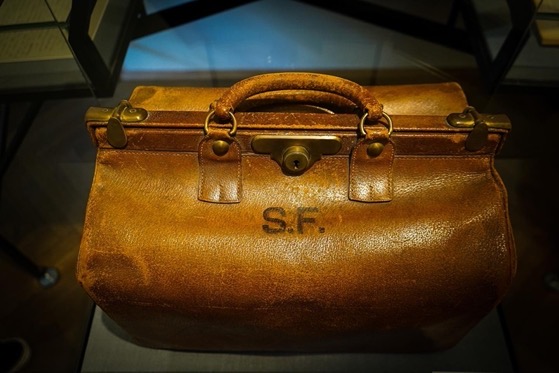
295,266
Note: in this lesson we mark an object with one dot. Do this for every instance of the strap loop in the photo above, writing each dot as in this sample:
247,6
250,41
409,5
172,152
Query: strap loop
210,117
386,116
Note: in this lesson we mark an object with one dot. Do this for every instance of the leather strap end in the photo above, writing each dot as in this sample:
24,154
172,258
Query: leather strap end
370,176
219,173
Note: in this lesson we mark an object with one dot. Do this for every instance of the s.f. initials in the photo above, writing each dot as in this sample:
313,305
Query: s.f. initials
276,218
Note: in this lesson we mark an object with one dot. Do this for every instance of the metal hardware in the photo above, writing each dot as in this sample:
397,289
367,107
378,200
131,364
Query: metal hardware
296,154
374,149
477,138
469,117
103,114
385,115
124,112
479,123
220,147
296,159
209,118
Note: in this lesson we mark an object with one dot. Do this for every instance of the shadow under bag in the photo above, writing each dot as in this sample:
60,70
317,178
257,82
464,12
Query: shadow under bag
297,212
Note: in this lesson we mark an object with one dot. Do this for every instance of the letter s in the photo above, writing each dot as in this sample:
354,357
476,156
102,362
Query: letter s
280,222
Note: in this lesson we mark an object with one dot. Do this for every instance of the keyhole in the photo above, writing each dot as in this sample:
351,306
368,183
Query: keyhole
295,160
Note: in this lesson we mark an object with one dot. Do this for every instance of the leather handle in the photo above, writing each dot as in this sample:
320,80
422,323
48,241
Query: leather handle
240,91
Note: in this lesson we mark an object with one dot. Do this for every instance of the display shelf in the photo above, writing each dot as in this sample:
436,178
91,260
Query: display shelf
547,22
508,43
52,48
109,349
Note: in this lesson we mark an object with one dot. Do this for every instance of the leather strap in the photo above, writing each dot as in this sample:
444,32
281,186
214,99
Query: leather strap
219,175
370,177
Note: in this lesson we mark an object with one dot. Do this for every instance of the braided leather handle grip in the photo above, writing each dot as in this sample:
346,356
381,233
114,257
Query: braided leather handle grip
246,88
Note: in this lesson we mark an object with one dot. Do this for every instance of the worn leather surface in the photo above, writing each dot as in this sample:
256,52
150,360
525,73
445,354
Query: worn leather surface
249,87
220,176
296,264
370,177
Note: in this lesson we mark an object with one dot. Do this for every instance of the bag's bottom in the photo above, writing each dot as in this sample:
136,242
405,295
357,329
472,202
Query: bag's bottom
425,340
403,342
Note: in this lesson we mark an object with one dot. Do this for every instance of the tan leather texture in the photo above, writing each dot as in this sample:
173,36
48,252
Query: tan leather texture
249,87
220,177
404,251
370,178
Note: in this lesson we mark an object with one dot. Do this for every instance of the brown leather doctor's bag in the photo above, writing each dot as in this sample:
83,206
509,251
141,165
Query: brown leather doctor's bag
297,212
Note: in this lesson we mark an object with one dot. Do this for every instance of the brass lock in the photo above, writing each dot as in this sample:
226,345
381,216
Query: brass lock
296,154
296,159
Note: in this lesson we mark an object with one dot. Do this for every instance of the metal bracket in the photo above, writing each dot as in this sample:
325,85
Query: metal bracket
468,119
479,123
296,154
124,112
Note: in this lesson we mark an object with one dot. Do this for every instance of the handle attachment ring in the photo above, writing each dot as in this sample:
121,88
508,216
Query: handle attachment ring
211,114
384,114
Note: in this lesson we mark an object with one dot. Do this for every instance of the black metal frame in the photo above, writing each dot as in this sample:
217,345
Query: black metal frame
99,77
47,276
102,77
494,71
183,13
423,28
469,40
101,82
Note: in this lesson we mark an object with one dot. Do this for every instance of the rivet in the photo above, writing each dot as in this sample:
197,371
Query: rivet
374,149
220,147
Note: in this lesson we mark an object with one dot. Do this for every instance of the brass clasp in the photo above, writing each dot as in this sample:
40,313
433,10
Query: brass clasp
479,123
296,154
123,112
